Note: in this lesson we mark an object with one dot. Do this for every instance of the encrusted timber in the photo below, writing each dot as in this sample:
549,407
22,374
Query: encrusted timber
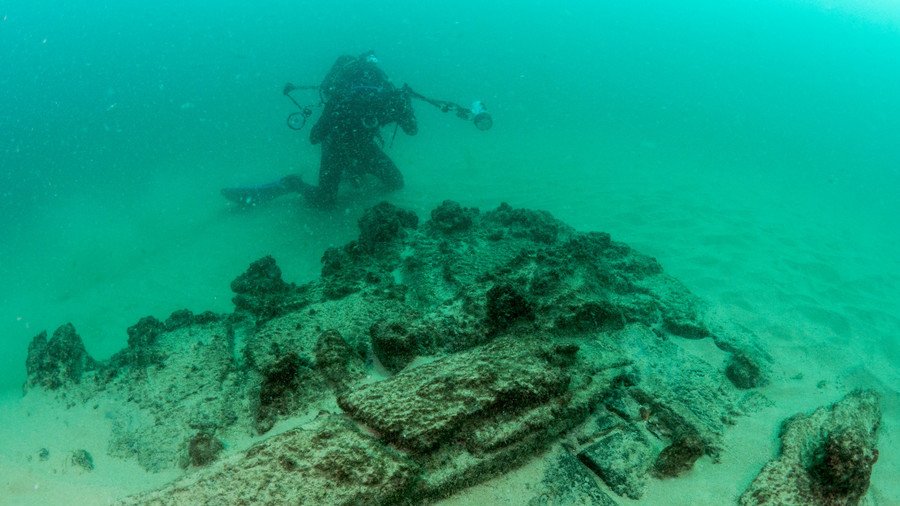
444,471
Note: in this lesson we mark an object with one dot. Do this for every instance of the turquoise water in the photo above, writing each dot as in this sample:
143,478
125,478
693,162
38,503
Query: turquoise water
753,147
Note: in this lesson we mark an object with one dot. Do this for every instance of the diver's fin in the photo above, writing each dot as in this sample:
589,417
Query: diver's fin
250,196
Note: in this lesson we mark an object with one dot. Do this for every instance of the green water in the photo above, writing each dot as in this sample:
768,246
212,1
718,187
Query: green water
753,147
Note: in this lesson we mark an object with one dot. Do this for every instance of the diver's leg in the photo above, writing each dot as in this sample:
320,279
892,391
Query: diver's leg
383,168
296,184
330,168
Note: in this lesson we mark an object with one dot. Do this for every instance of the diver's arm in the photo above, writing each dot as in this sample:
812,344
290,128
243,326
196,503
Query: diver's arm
409,125
316,132
320,129
404,114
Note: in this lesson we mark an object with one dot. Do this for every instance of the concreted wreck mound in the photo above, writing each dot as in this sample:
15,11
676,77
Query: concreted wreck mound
425,359
826,457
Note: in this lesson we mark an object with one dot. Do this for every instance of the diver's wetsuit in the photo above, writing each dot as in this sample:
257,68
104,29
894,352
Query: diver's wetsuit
359,100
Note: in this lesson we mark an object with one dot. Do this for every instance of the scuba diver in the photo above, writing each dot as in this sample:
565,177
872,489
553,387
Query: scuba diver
358,100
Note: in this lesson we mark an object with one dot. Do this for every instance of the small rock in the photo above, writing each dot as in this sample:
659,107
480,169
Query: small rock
276,394
450,217
393,344
568,482
622,459
506,305
593,316
337,361
685,326
179,319
205,317
843,465
82,459
261,278
260,289
537,226
743,372
142,350
678,457
382,224
204,448
144,332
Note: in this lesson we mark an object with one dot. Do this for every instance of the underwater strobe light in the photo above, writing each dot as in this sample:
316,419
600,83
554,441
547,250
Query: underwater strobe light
297,120
480,116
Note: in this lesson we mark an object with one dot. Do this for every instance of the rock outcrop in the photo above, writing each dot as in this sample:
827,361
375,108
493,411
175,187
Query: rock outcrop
59,362
330,463
826,457
439,354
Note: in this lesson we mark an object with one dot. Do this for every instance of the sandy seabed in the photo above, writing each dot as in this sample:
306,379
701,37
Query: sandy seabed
815,290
